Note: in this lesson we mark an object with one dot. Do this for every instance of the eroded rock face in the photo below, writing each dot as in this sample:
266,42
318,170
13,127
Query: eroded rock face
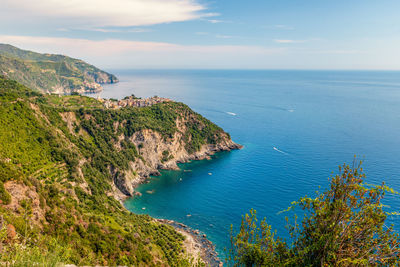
159,153
19,193
120,180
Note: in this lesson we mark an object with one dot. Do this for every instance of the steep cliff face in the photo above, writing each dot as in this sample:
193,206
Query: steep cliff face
157,153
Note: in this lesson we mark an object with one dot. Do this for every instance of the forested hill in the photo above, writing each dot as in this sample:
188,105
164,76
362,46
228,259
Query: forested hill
65,161
51,73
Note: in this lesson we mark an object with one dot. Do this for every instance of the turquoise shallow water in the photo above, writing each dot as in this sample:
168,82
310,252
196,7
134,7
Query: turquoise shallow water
296,128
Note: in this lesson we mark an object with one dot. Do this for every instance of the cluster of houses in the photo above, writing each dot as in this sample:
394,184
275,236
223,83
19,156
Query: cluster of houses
133,102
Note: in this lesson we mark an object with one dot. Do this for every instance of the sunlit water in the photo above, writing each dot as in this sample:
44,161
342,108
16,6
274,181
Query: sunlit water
296,128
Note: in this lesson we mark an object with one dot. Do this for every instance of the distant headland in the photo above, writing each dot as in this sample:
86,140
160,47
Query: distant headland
49,73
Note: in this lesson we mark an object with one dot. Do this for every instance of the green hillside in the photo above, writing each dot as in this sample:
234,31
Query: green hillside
56,183
51,73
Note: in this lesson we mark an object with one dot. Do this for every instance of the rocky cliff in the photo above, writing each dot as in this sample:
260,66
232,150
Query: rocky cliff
158,153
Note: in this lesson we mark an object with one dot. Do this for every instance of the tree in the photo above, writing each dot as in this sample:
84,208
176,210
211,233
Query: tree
344,226
255,245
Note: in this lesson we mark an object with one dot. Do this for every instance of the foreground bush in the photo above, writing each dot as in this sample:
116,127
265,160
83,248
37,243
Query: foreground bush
344,226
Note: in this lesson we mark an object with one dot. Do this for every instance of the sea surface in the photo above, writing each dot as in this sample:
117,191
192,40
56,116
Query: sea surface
296,127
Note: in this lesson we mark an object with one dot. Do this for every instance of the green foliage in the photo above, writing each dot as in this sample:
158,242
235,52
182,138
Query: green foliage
166,156
21,255
11,90
344,226
23,140
256,245
4,195
72,102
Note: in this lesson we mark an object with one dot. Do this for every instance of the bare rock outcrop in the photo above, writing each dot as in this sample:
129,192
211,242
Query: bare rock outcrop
157,152
22,193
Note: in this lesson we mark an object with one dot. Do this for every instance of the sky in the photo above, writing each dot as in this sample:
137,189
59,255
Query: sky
210,34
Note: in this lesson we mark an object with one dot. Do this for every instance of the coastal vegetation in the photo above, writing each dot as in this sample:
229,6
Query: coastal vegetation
51,73
59,159
343,226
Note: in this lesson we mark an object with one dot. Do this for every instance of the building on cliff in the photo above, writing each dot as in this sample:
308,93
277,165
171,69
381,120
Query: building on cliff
134,102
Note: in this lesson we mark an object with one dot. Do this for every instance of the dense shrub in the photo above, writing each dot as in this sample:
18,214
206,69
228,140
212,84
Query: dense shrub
344,226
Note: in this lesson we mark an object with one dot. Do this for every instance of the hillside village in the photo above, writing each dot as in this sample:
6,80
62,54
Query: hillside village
133,101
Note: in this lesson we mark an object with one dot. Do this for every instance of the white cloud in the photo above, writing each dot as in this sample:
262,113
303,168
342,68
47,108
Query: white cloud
214,21
287,41
106,30
138,30
116,46
100,13
115,53
62,30
221,36
102,30
337,52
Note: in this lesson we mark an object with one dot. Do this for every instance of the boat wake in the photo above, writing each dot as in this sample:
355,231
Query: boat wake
280,151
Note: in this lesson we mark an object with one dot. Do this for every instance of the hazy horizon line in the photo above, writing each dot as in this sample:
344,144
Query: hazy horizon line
246,69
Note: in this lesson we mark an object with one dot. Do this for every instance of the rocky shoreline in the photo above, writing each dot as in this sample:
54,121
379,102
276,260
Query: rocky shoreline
196,243
125,185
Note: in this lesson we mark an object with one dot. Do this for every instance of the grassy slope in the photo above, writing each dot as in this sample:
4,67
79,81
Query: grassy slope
69,171
44,72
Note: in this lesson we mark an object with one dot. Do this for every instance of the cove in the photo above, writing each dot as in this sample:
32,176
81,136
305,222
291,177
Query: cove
170,196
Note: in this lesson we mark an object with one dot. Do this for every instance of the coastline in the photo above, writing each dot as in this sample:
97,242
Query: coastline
196,243
125,188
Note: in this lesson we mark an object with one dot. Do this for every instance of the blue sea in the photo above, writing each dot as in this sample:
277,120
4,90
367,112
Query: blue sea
296,127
